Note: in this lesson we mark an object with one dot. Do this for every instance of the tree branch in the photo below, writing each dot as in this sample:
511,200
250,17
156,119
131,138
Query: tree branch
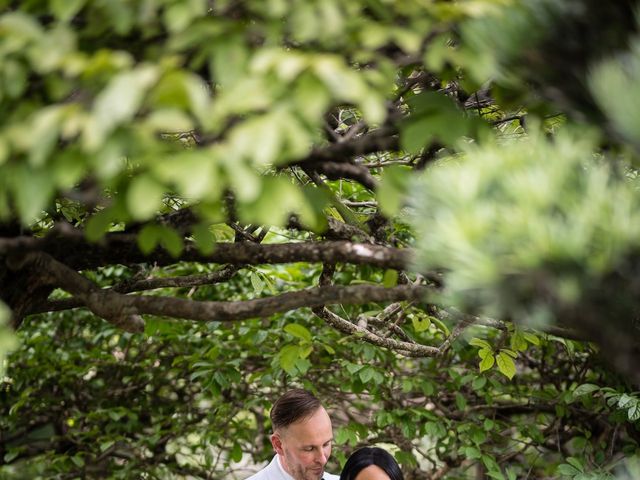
409,349
381,139
262,307
142,285
124,310
123,249
104,303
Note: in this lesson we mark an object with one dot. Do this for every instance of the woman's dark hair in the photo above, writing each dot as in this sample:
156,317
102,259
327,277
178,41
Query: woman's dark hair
294,405
364,457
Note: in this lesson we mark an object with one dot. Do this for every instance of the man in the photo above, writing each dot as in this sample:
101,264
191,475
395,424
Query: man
302,437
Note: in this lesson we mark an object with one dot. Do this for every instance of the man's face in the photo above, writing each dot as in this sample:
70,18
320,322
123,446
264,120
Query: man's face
305,446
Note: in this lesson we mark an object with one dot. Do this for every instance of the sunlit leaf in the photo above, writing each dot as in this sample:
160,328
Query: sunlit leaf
506,364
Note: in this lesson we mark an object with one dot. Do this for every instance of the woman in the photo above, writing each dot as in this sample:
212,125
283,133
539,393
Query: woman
371,463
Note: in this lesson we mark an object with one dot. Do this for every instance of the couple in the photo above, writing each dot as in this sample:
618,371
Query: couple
302,438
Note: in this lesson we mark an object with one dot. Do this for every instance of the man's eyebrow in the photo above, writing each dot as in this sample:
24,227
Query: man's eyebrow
323,443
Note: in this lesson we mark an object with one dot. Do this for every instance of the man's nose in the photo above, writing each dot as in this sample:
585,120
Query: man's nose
321,457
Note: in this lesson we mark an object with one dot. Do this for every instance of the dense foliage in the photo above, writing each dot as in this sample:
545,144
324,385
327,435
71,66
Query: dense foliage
422,210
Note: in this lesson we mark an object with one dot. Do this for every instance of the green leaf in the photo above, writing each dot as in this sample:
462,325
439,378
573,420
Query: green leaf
179,15
8,340
440,325
352,368
576,463
32,190
171,241
472,453
144,197
229,58
434,117
204,238
390,278
585,389
153,235
633,413
478,342
429,102
329,349
276,201
10,455
490,463
106,445
625,400
65,10
505,364
518,341
531,338
298,331
46,129
487,361
567,470
99,224
420,323
478,383
392,189
288,356
236,452
256,282
366,374
148,238
118,103
511,353
488,424
496,474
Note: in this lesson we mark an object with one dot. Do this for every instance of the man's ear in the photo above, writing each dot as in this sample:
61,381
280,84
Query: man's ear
276,441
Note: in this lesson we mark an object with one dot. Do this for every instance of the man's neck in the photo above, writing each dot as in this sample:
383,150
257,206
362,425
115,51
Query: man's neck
281,465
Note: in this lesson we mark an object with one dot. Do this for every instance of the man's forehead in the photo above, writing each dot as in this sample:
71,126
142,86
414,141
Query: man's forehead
313,430
316,442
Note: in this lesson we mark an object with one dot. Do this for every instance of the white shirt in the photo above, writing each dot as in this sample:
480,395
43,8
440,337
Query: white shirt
274,471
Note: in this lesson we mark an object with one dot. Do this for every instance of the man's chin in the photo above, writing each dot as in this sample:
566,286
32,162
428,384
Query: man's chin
315,474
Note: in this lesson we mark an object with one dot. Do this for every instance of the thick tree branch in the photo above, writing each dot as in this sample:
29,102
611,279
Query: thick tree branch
262,307
122,249
103,303
143,285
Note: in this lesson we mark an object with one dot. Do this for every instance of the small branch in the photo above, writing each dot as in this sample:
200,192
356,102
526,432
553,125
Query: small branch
370,204
379,140
408,349
339,170
336,230
177,282
460,327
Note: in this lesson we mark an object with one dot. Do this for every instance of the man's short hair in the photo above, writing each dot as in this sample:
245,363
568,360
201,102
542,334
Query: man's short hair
294,405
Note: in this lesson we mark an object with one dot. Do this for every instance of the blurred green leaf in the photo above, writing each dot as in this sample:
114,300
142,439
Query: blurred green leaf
144,197
298,331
